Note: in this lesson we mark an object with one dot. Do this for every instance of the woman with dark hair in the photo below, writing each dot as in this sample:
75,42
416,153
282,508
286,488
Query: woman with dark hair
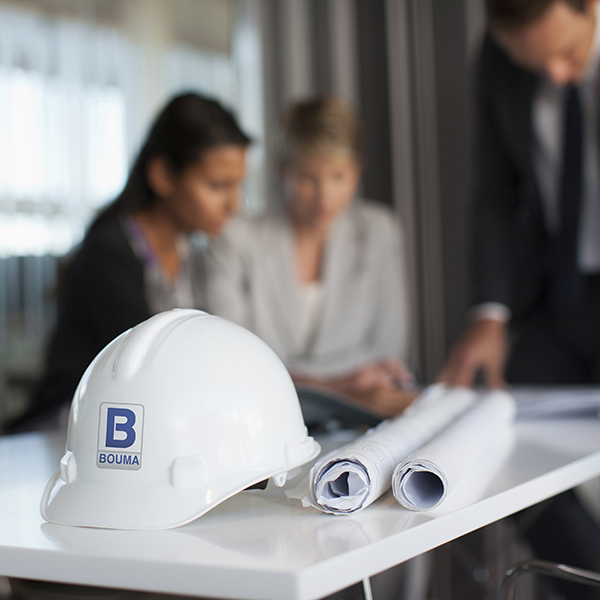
139,256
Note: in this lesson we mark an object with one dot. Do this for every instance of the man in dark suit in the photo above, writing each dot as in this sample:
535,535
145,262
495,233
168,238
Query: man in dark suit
536,199
536,227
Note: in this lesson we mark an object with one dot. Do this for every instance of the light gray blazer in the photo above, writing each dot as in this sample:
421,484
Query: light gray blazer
251,280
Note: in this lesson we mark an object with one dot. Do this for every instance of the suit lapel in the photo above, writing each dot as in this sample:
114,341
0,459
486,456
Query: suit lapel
519,92
522,122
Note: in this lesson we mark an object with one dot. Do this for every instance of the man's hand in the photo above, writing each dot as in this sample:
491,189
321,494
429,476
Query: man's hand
484,346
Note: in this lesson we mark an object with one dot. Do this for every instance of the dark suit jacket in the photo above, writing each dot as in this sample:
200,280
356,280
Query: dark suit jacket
510,243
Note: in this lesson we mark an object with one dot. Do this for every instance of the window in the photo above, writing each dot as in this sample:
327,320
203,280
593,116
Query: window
63,142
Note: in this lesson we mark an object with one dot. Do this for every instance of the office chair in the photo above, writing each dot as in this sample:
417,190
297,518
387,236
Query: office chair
543,567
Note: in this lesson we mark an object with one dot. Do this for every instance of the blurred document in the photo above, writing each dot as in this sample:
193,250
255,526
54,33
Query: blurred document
352,477
539,401
467,449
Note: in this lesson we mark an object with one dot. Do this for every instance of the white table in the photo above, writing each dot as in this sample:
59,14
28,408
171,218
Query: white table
259,546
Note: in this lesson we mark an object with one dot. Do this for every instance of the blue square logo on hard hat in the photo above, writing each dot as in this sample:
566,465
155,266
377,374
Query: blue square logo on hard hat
120,436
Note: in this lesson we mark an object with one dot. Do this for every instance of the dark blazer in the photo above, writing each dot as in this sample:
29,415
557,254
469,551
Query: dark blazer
509,239
103,295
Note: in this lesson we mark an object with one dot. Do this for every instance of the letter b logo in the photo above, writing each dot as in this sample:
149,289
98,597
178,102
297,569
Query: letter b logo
119,428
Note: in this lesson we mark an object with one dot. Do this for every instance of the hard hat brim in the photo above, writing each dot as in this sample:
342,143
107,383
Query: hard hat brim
145,506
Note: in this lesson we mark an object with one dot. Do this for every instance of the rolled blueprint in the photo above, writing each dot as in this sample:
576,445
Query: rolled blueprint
429,477
352,477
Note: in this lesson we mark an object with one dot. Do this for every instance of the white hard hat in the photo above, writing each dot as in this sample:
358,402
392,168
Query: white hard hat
170,419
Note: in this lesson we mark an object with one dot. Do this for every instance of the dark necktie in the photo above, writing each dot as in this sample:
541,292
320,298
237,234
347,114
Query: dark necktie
566,283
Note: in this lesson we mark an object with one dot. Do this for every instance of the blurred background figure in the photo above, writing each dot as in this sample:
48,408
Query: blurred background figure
536,213
536,230
139,256
321,277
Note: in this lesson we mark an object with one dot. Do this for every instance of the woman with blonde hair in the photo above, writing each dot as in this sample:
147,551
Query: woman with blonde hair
321,279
